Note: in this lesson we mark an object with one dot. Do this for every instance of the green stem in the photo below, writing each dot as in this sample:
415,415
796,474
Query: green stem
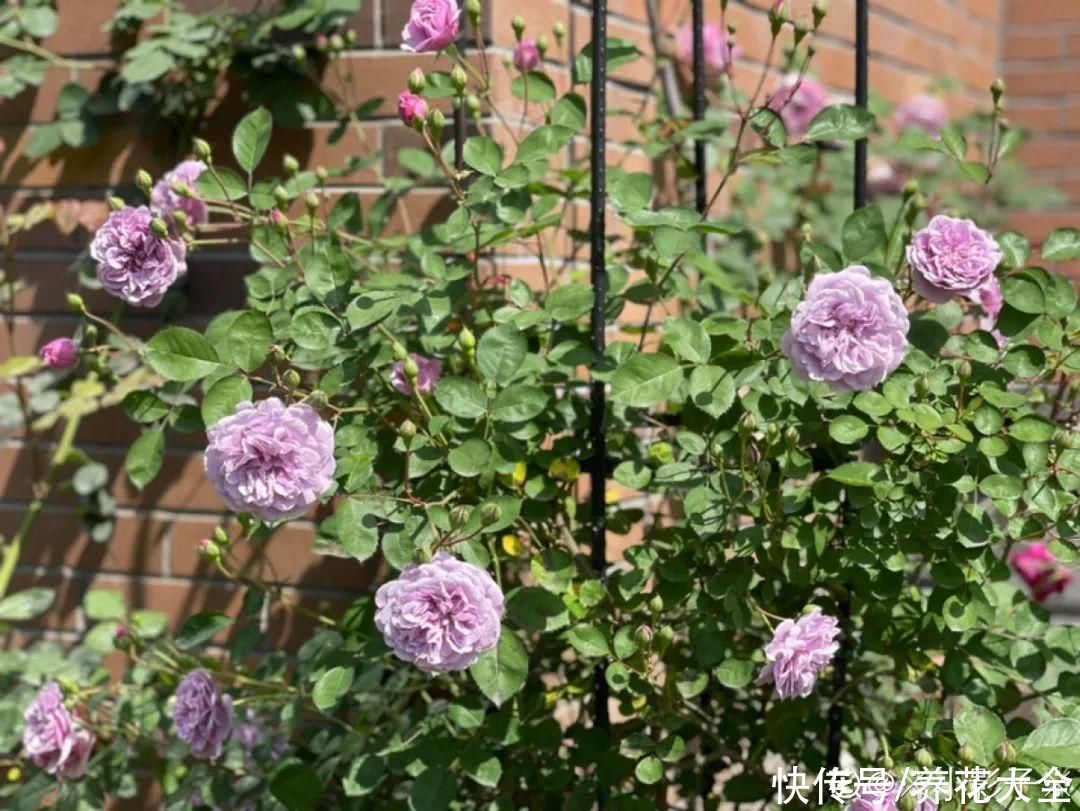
13,549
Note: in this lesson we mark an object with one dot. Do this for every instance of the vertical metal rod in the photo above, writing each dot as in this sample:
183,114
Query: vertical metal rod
598,322
698,28
834,742
459,117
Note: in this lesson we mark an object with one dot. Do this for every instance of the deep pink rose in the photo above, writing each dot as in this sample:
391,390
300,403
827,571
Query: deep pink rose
60,354
924,112
800,649
1041,570
719,50
411,107
798,102
850,330
527,56
952,258
433,24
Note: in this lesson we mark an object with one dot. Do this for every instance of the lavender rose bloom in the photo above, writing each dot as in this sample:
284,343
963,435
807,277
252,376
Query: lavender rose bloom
924,112
133,263
799,651
203,716
59,355
432,25
952,258
850,331
442,615
430,372
54,739
166,201
887,800
271,460
719,50
798,102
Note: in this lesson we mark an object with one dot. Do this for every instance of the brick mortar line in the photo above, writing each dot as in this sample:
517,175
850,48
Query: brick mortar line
159,514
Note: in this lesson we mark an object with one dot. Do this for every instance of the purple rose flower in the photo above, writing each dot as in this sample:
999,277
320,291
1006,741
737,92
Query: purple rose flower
166,201
411,107
54,739
886,799
527,56
719,50
924,112
433,24
799,651
203,716
952,258
134,264
798,102
59,355
850,330
440,616
271,460
430,372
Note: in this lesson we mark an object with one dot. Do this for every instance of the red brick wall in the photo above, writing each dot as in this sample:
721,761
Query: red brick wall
1042,70
152,557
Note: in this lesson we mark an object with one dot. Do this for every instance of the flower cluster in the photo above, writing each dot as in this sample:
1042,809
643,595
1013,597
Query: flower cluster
442,615
271,460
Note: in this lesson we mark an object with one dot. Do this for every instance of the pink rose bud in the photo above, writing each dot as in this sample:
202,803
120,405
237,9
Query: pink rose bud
1041,570
527,56
411,108
433,24
60,354
924,112
719,49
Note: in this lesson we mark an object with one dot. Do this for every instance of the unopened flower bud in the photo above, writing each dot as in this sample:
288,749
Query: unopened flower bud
180,217
819,11
311,200
290,164
350,38
400,352
922,385
474,10
919,203
665,637
221,536
1005,754
997,89
159,227
317,399
436,121
277,220
965,370
210,550
407,431
91,334
417,81
143,180
643,635
459,79
968,755
321,174
459,516
887,762
122,638
474,105
337,43
906,802
656,604
412,369
542,45
201,149
747,425
116,204
281,195
76,303
518,24
924,758
467,339
791,436
911,188
559,30
490,514
291,379
299,53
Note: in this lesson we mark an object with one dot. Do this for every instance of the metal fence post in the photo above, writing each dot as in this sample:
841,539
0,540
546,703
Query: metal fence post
698,28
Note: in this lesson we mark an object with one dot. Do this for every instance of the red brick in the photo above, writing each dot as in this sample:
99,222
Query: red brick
1033,47
1028,12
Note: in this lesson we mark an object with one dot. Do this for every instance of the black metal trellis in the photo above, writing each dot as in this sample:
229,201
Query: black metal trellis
459,118
699,102
835,737
597,464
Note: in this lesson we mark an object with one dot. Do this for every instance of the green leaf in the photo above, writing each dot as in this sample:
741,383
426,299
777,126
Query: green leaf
588,641
1015,248
39,21
842,122
223,398
1023,293
848,429
501,672
246,342
315,329
26,605
712,389
433,790
864,233
332,687
1062,245
1033,429
570,112
982,731
251,138
518,403
220,183
101,605
1056,742
181,354
470,458
145,406
644,381
649,770
201,628
735,673
483,155
357,528
364,775
535,87
144,458
688,339
856,474
461,397
1002,487
959,614
535,609
297,787
632,190
500,353
619,52
569,302
543,143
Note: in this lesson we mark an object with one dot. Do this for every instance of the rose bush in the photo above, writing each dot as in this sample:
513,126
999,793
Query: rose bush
829,460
